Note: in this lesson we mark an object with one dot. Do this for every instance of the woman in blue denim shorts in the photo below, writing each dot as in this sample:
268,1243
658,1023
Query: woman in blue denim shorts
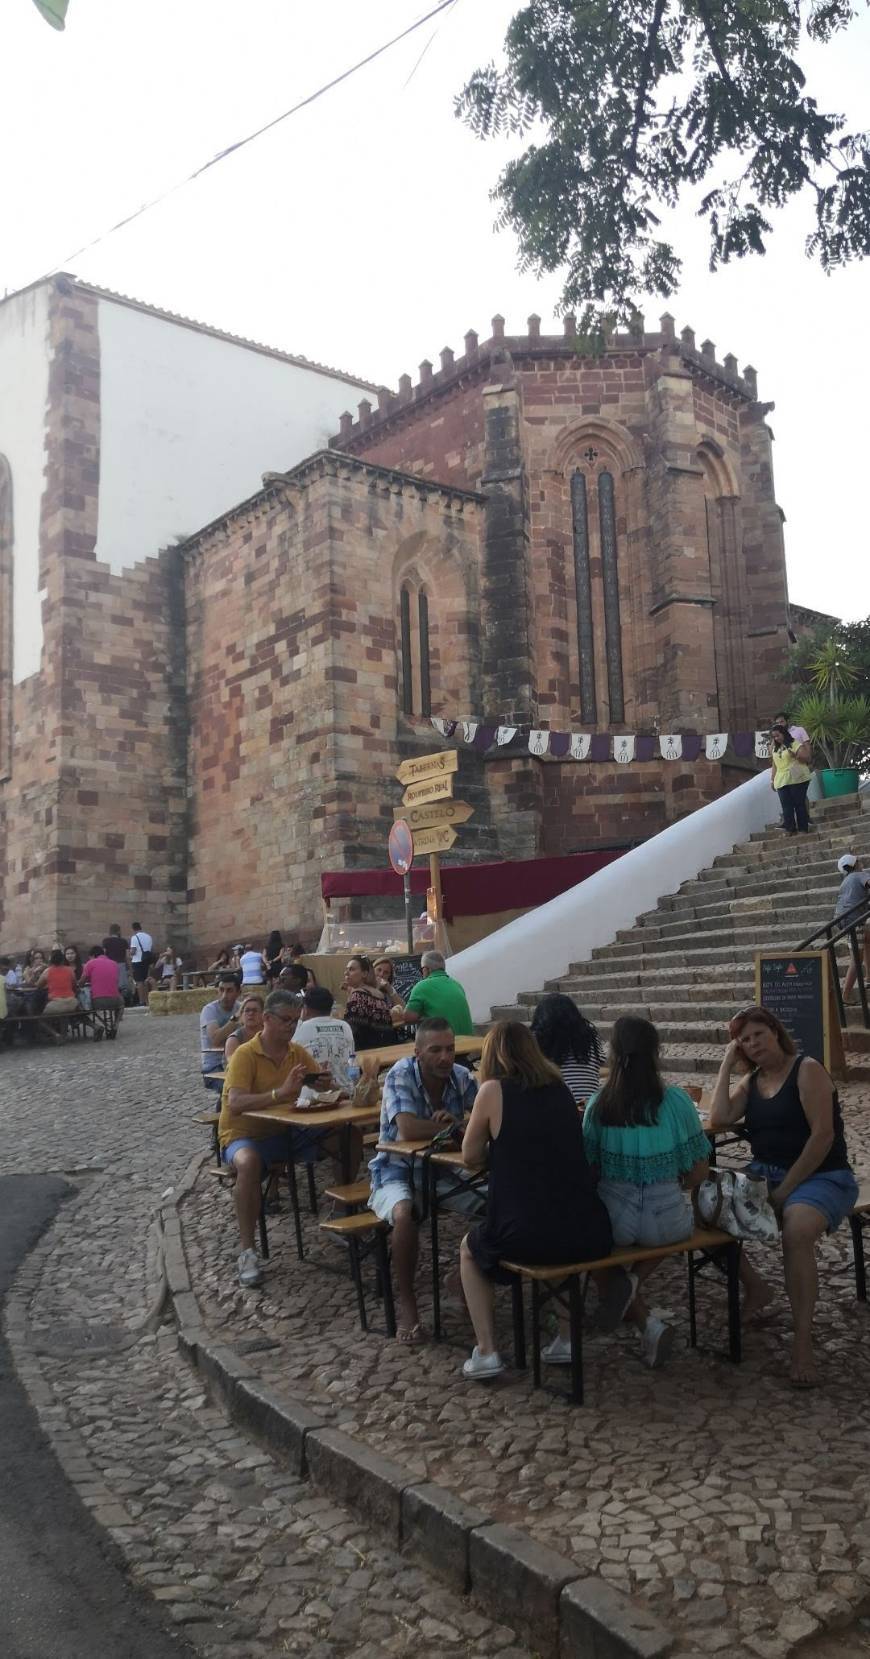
645,1139
791,1115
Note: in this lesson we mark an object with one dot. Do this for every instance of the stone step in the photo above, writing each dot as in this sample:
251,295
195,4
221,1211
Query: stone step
701,903
799,850
656,981
802,919
719,884
737,949
737,939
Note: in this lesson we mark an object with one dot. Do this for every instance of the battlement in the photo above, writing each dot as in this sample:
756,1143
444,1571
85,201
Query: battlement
496,356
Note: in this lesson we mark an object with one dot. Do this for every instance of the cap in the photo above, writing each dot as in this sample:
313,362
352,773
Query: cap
846,863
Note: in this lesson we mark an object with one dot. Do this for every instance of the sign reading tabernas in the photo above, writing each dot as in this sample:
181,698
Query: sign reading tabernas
428,766
439,812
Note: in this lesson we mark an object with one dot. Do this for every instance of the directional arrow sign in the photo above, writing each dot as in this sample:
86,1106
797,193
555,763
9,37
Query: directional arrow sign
439,812
429,766
431,789
436,840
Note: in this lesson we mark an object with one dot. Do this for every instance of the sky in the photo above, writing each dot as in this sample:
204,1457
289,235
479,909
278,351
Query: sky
360,232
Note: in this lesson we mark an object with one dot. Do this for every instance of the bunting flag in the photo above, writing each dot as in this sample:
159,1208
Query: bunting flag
622,747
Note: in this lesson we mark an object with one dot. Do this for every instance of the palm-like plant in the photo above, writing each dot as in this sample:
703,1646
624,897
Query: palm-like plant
831,672
839,726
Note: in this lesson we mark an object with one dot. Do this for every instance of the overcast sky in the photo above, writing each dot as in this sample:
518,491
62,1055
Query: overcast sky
360,232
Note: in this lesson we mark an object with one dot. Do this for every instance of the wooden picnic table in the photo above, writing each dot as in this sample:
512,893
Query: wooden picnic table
466,1048
343,1118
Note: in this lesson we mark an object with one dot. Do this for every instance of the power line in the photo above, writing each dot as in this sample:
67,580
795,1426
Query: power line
240,144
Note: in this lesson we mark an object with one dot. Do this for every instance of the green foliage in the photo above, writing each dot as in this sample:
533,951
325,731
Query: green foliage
848,642
839,726
628,102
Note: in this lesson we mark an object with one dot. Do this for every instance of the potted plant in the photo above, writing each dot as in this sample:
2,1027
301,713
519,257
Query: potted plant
840,728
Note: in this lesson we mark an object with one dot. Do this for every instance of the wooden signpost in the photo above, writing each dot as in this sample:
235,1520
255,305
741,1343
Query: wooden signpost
429,810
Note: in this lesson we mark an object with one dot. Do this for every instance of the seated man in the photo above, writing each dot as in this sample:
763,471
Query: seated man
294,978
270,1070
436,996
103,974
217,1022
423,1094
330,1040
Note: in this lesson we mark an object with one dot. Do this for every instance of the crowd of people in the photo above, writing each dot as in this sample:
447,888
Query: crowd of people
117,973
577,1163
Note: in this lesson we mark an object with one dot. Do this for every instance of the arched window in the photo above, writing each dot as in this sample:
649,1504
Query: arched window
605,604
610,580
416,675
6,578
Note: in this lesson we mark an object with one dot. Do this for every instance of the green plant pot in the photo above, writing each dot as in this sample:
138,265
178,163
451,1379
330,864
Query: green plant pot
842,781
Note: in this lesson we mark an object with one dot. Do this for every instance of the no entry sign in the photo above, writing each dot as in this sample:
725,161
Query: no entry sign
400,847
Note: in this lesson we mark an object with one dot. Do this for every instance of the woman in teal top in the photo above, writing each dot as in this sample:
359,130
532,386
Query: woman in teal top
645,1139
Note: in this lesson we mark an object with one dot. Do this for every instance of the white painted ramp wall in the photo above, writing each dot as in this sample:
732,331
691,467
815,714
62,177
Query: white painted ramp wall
542,944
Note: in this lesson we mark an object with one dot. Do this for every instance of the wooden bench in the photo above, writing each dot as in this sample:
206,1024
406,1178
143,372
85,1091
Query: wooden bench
858,1220
704,1249
352,1194
211,1121
226,1174
365,1235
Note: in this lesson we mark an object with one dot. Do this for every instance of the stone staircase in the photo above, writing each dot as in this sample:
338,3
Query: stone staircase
689,964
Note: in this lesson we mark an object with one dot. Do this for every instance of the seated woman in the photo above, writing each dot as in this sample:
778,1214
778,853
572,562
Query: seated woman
791,1114
221,964
272,963
296,954
542,1207
644,1137
367,1007
572,1044
59,983
250,1022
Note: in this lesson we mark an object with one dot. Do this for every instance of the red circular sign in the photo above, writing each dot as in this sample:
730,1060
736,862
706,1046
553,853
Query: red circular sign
400,847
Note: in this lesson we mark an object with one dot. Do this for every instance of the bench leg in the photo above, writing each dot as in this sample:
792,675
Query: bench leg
264,1236
312,1189
693,1319
356,1273
432,1189
382,1257
732,1268
857,1232
294,1204
536,1334
575,1307
518,1312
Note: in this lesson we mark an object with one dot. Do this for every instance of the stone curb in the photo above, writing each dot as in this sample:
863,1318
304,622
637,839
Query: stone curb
561,1612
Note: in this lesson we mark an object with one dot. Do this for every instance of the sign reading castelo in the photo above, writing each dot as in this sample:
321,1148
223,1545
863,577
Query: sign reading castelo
191,731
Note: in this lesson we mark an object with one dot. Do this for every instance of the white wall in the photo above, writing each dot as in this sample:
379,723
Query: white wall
23,407
189,424
542,944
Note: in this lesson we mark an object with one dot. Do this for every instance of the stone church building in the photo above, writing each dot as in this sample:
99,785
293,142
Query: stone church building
526,535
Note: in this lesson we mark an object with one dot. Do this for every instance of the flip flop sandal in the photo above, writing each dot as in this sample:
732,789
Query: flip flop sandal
414,1337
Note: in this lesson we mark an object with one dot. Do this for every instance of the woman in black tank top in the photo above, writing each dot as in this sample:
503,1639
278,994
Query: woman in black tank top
792,1118
542,1206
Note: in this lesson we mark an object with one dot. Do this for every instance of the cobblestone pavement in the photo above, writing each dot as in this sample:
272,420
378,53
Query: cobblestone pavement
247,1559
735,1508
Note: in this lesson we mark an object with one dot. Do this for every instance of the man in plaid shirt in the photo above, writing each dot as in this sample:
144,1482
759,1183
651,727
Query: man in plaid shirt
422,1095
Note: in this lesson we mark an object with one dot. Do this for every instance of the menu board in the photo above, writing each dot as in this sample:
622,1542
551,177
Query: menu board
795,988
406,972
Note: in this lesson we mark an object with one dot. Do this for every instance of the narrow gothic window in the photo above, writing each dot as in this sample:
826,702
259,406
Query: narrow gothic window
425,674
610,577
407,662
583,585
6,579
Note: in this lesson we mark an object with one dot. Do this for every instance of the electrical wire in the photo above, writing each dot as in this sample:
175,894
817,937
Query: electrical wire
241,143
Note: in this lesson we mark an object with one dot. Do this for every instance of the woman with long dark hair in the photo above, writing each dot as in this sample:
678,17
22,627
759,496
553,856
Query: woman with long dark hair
542,1207
367,1008
791,1114
272,957
645,1139
571,1042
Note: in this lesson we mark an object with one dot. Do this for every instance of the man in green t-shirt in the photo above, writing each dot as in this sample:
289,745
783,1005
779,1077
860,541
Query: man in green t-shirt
436,996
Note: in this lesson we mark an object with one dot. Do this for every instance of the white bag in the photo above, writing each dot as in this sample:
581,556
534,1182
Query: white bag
737,1205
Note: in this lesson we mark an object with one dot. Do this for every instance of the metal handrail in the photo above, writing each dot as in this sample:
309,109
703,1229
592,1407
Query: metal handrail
839,928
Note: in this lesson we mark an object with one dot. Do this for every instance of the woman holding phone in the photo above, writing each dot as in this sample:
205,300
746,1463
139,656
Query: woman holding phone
791,1115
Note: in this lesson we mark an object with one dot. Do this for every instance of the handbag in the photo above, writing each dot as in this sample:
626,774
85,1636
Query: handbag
737,1205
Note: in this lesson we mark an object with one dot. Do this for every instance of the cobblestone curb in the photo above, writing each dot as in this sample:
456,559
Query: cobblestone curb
531,1587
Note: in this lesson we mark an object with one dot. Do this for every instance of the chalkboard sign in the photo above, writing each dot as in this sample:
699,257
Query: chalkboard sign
406,972
795,989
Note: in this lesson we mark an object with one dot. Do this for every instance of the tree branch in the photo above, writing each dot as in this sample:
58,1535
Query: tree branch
643,87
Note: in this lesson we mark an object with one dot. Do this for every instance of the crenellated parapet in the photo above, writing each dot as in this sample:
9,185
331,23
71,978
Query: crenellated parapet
483,359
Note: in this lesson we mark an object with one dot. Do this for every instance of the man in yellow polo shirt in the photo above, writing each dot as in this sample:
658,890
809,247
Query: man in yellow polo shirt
268,1071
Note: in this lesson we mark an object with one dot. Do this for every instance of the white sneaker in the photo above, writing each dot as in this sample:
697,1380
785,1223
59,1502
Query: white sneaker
482,1365
557,1352
657,1343
250,1271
